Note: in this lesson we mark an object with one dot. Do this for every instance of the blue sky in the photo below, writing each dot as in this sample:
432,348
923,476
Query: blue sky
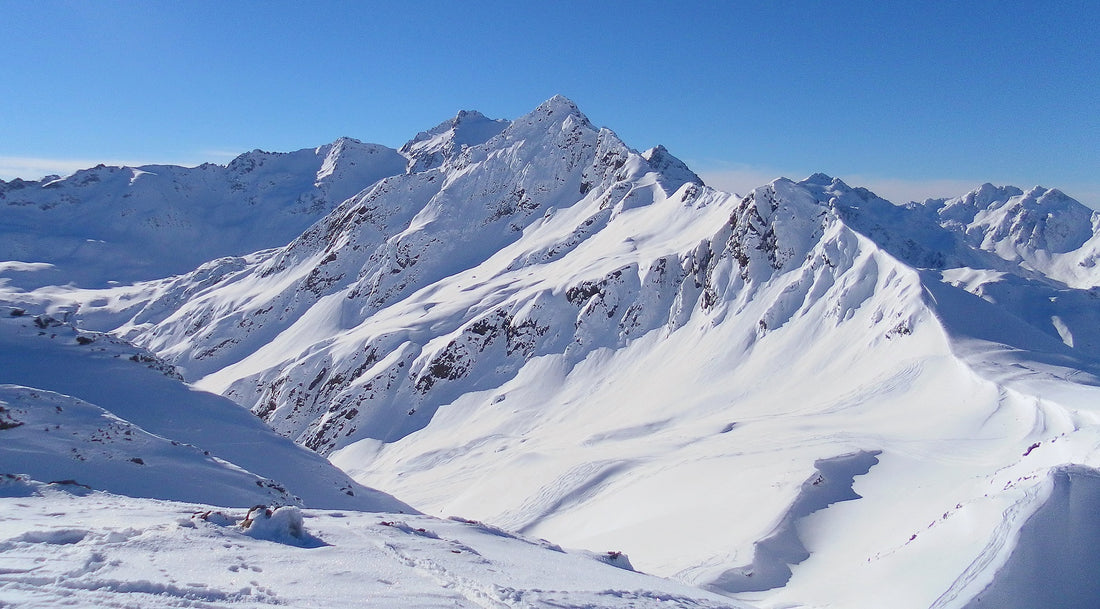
911,99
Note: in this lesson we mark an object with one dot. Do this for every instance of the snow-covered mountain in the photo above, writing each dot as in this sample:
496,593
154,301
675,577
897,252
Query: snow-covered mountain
532,324
85,406
125,224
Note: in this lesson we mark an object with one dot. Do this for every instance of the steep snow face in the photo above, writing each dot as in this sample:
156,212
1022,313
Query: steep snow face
126,224
1065,531
551,332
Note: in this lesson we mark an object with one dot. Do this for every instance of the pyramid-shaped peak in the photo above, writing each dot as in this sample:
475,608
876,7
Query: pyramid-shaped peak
674,171
826,182
431,148
558,102
468,127
557,107
822,179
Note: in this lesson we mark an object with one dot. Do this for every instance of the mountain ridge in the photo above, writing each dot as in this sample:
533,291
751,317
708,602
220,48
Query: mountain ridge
542,328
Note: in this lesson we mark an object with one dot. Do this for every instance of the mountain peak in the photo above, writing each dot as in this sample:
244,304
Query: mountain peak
675,171
1014,224
348,160
431,148
558,107
825,183
819,178
559,102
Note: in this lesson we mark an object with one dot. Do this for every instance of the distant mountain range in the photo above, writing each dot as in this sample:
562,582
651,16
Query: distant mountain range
803,396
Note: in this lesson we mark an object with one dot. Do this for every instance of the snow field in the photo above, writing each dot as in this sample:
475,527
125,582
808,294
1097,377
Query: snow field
117,552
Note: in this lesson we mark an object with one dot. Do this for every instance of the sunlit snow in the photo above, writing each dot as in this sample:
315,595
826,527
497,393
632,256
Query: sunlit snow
806,396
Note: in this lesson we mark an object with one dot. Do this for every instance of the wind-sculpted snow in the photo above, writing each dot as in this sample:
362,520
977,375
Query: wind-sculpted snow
774,555
534,325
1056,561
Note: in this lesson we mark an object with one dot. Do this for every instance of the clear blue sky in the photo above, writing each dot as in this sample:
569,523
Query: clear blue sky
905,97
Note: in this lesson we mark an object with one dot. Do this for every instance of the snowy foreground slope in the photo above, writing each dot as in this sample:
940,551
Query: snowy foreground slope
806,396
61,546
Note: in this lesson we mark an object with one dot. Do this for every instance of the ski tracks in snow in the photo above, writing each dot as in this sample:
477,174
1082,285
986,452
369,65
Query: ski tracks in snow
484,585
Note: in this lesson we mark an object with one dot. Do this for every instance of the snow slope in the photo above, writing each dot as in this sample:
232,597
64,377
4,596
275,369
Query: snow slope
88,407
539,327
91,549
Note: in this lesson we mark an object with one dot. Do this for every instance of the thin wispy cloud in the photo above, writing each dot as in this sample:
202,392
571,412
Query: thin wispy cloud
901,190
741,179
221,155
35,168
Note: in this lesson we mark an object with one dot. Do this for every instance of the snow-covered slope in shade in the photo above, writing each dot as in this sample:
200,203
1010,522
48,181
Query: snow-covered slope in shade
132,223
60,548
551,332
88,407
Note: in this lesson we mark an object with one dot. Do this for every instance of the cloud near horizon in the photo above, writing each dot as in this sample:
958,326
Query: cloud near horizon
36,168
741,179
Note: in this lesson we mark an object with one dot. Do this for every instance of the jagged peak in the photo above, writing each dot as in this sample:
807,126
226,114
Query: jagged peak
821,179
558,102
987,194
247,161
339,144
557,108
986,197
1049,195
431,148
825,186
1013,223
346,140
675,171
469,123
1054,201
344,145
